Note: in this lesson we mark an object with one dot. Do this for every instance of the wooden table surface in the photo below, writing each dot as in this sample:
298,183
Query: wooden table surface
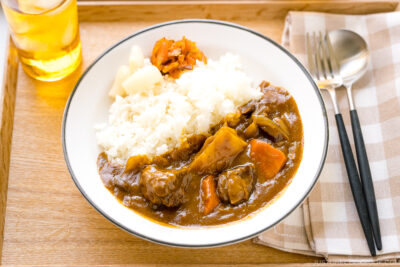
47,220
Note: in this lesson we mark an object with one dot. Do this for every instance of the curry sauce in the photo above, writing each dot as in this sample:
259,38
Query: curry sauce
224,175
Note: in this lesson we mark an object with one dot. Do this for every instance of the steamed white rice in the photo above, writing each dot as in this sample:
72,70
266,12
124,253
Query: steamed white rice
154,122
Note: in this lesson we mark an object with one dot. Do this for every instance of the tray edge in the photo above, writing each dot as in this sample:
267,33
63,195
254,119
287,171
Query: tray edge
7,104
8,89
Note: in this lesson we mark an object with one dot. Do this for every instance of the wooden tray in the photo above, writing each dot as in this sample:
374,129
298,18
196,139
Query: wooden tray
46,221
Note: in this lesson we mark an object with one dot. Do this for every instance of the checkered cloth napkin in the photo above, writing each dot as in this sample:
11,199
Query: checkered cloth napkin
327,223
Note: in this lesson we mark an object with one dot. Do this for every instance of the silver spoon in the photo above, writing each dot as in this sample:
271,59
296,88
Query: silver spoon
352,55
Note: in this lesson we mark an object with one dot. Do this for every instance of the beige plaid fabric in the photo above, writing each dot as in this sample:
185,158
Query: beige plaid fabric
327,223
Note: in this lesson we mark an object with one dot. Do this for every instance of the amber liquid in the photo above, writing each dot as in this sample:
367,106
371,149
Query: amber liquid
46,35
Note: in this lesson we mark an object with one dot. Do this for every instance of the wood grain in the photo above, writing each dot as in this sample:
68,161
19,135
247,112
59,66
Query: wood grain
314,264
258,10
7,101
47,220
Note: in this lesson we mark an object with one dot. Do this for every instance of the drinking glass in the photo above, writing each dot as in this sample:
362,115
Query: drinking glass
46,35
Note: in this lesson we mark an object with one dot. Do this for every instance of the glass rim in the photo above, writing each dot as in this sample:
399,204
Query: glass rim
5,2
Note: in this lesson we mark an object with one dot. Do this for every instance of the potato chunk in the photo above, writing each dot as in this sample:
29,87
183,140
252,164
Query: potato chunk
116,89
136,58
142,80
218,151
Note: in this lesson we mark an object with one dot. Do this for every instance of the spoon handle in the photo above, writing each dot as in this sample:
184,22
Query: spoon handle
366,178
355,183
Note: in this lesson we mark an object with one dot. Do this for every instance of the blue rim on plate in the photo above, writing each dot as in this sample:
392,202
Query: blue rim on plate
228,24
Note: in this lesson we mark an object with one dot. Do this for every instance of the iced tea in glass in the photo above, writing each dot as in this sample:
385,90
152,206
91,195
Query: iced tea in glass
46,35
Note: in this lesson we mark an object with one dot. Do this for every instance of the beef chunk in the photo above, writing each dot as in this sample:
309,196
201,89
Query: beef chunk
248,108
188,146
235,185
162,187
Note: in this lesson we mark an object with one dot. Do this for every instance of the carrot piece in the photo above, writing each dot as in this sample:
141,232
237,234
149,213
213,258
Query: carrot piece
268,160
209,195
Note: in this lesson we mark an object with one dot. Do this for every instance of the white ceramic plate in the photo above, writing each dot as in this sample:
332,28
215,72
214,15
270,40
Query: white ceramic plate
263,59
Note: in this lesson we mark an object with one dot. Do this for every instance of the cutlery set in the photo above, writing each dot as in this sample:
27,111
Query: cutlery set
338,59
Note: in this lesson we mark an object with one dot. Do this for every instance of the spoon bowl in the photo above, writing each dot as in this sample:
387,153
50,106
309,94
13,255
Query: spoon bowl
351,53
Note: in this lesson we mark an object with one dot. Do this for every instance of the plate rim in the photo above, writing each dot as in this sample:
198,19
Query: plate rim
209,21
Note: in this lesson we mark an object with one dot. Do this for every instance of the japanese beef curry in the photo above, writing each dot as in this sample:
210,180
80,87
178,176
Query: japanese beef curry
241,165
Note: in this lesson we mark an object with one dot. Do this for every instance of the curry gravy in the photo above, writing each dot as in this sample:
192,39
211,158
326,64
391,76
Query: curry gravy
277,105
